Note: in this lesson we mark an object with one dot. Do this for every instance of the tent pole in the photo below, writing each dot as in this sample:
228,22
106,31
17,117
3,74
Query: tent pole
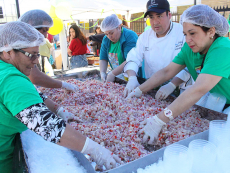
17,7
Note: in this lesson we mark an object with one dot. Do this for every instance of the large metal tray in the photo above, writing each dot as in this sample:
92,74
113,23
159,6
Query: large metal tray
153,157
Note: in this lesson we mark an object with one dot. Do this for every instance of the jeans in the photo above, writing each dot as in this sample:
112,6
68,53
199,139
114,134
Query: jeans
77,61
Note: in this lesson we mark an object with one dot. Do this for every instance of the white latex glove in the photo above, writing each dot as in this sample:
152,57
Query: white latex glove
152,129
100,155
110,77
137,93
165,90
69,87
103,76
64,114
131,85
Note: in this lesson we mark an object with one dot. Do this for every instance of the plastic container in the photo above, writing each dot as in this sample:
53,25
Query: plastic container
176,159
48,68
216,102
218,133
202,151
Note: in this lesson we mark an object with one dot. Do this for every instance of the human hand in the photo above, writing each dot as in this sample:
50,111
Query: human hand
100,155
69,87
151,129
131,85
103,76
164,91
64,114
137,93
110,77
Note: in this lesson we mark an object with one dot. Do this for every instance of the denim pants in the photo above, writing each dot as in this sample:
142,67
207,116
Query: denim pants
77,61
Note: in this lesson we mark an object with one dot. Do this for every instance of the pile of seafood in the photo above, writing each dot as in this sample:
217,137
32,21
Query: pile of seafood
113,121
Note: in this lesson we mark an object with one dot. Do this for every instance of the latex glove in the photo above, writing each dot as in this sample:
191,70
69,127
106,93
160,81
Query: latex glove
110,77
165,90
103,76
100,155
131,85
69,87
64,114
137,93
152,129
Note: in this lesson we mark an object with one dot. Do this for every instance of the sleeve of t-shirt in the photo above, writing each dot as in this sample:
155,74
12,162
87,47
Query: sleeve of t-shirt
73,45
49,44
104,50
180,58
17,93
217,62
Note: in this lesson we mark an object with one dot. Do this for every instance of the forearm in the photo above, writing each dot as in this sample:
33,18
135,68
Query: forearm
72,139
103,66
131,73
119,69
177,81
52,105
157,79
186,100
41,79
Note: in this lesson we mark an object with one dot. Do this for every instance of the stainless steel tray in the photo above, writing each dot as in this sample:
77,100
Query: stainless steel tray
154,157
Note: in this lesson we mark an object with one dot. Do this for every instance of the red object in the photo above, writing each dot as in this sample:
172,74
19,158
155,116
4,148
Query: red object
50,38
77,48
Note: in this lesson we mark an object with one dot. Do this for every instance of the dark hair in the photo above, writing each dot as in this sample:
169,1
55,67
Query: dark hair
78,34
98,27
125,22
206,29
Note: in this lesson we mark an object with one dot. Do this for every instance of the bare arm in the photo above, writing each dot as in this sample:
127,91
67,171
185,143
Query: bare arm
119,69
52,105
161,76
177,81
203,84
72,139
41,79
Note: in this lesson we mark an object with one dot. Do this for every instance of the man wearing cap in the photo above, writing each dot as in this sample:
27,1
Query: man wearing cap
156,46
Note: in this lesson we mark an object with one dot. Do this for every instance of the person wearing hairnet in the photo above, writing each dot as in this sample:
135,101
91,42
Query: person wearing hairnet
22,108
206,51
116,44
156,47
40,20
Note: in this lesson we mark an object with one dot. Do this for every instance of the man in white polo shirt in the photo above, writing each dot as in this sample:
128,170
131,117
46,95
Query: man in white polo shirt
156,46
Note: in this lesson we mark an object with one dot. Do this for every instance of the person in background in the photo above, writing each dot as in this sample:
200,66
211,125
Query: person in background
206,51
124,22
96,45
21,106
40,20
50,38
45,52
77,48
116,44
156,47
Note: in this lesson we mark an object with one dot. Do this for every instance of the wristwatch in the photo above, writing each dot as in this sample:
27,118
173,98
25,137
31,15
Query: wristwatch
168,113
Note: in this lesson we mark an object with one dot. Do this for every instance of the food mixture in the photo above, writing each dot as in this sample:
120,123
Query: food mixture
112,121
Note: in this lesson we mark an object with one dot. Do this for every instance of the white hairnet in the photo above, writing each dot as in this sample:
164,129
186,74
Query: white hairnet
37,18
18,35
110,22
204,15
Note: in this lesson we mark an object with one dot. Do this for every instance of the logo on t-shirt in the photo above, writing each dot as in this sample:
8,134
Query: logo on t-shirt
113,58
198,69
179,45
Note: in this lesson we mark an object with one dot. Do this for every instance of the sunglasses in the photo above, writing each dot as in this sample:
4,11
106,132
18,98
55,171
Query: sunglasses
31,56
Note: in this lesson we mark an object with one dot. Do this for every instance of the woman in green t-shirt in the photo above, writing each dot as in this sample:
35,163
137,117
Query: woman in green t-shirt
22,107
206,51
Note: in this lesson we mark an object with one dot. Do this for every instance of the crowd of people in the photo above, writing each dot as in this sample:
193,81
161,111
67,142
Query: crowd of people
194,50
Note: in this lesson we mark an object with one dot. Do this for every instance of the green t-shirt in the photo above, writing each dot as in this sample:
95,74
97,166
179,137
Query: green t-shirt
16,93
217,62
115,54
